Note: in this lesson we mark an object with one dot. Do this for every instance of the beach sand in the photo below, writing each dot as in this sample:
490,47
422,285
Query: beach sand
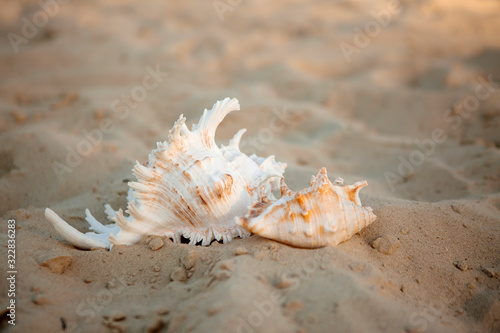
403,94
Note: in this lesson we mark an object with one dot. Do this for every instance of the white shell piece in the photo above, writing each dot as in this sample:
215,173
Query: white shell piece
188,188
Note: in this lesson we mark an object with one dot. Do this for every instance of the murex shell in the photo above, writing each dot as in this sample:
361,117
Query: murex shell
322,214
188,188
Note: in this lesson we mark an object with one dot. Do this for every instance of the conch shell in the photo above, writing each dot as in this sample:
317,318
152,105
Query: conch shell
188,188
322,214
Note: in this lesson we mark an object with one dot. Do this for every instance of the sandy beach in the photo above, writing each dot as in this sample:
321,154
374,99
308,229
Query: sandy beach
403,94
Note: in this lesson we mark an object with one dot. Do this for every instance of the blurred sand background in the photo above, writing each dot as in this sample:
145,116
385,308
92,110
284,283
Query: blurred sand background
406,97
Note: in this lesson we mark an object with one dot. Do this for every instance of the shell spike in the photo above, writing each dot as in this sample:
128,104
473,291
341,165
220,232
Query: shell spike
141,172
73,236
359,185
110,212
133,211
234,143
285,190
269,168
352,191
268,163
322,175
178,129
211,119
338,181
120,220
94,224
321,179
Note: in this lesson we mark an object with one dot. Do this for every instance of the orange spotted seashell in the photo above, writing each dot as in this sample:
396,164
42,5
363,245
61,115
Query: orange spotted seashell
320,215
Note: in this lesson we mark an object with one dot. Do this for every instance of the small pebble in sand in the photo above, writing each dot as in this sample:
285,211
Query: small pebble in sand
156,243
56,263
226,265
413,329
489,272
260,255
111,148
240,251
99,114
262,279
222,275
63,323
188,260
156,268
117,316
273,247
294,306
386,244
156,326
214,309
455,209
405,230
110,285
163,311
113,326
302,161
67,99
87,280
179,274
461,265
471,286
356,266
19,116
40,300
283,282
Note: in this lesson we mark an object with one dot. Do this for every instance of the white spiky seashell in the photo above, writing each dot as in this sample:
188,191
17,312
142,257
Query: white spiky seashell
188,188
320,215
